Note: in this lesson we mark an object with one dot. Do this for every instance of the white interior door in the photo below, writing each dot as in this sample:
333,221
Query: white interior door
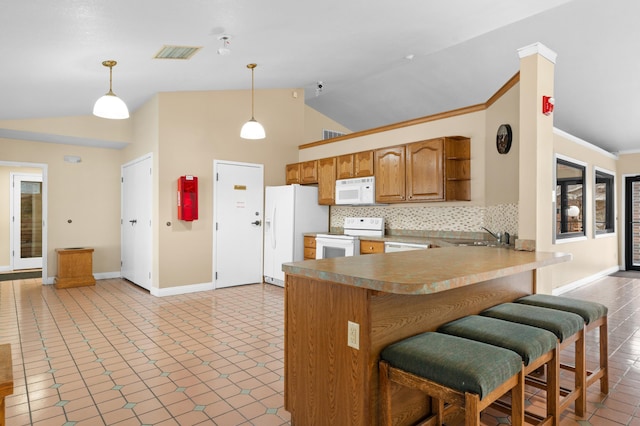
238,211
26,220
135,222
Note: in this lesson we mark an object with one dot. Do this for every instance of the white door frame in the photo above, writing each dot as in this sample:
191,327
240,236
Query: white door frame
215,236
15,237
45,203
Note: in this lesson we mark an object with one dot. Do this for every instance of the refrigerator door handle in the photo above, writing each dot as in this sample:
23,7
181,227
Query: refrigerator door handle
272,231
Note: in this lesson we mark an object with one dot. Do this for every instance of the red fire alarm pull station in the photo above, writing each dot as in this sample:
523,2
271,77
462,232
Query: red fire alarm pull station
188,198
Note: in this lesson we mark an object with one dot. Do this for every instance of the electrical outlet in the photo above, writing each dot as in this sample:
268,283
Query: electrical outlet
353,337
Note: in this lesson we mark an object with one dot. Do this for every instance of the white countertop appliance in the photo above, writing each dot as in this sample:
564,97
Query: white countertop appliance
290,212
348,244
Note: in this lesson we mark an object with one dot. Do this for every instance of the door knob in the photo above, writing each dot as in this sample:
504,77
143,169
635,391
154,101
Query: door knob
257,223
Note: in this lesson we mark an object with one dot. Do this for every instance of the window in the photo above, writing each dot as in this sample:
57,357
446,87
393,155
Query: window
570,199
604,211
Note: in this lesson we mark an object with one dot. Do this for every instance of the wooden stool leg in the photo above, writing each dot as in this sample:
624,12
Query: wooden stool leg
471,410
385,395
604,356
517,401
553,388
581,375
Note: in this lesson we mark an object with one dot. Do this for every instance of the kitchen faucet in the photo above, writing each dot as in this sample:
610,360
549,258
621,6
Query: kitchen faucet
497,235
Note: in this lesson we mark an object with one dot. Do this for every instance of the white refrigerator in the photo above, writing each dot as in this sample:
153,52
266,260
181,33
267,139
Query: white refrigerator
290,212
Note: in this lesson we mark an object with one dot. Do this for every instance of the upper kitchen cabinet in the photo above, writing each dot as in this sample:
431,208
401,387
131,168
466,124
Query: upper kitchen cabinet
345,166
309,172
457,155
327,180
363,163
390,174
292,173
433,170
425,170
355,165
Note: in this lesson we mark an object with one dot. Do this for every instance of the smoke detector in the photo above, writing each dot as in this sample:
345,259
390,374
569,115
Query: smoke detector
224,50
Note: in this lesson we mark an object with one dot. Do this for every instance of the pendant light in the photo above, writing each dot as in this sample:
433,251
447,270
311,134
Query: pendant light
109,105
252,129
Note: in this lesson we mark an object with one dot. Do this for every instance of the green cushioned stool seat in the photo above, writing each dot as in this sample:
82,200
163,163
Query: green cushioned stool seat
528,342
536,347
595,316
589,311
461,372
562,324
569,328
461,364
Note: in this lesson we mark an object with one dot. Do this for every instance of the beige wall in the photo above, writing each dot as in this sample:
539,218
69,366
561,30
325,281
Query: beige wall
196,128
502,170
87,193
591,256
315,122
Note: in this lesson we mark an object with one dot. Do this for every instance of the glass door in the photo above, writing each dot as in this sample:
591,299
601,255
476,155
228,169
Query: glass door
27,221
632,228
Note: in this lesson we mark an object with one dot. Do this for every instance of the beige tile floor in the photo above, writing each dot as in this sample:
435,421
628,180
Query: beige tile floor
114,355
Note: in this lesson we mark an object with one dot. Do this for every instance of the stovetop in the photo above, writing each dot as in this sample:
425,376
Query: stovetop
360,227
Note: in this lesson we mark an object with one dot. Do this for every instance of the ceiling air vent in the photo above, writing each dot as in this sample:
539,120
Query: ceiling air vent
177,52
330,134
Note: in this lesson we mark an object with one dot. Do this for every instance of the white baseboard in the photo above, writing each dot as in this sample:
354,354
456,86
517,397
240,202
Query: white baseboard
107,275
584,281
182,289
5,268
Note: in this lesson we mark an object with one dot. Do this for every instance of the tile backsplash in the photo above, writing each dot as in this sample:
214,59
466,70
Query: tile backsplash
456,219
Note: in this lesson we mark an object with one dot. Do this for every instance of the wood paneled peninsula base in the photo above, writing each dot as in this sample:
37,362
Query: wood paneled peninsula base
391,296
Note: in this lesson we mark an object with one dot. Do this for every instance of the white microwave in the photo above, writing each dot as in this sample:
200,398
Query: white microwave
356,191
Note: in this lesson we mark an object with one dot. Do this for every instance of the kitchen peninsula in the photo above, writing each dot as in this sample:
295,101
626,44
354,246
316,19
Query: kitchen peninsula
389,296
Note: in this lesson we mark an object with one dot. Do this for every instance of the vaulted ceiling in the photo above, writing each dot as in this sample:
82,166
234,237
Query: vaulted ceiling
379,62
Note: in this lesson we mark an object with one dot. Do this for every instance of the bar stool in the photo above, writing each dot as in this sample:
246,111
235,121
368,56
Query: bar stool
536,347
463,373
568,328
594,316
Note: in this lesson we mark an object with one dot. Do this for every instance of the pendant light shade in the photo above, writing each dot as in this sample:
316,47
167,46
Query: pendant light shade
252,129
109,105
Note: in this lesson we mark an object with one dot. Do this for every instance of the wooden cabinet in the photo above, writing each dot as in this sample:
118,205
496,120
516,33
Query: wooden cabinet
75,268
345,166
371,247
432,170
327,181
359,164
309,247
292,173
425,170
363,164
457,161
309,172
390,174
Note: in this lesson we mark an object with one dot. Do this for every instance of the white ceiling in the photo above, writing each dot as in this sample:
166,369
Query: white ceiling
464,50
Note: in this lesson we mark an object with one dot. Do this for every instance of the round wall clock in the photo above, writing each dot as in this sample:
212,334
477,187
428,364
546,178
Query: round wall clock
504,138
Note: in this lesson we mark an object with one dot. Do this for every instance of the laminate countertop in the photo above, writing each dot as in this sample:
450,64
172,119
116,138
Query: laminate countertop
424,271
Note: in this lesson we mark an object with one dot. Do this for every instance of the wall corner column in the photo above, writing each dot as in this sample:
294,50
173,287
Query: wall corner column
535,215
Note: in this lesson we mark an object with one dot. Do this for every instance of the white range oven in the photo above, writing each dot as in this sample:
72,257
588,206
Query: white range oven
348,244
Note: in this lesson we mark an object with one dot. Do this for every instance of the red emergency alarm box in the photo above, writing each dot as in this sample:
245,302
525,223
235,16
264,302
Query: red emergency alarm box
188,198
